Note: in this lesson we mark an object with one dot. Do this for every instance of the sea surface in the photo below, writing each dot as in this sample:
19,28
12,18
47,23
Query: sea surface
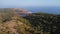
51,10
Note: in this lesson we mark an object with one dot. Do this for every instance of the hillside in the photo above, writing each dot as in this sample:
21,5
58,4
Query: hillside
45,23
11,22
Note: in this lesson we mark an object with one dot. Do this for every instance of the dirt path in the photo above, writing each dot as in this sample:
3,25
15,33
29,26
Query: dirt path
11,24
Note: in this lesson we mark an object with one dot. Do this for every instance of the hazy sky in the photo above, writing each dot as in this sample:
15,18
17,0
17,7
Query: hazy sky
29,2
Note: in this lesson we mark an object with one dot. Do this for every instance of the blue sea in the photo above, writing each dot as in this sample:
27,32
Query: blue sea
51,10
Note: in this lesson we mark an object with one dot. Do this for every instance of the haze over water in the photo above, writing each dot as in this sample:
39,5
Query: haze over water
48,6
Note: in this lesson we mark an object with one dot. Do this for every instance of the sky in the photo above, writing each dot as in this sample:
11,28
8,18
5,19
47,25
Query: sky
29,3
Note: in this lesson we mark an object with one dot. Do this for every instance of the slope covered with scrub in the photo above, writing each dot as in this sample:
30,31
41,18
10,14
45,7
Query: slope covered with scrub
45,23
35,23
12,23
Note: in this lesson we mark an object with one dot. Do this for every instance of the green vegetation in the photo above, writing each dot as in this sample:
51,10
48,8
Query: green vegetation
6,14
47,23
36,23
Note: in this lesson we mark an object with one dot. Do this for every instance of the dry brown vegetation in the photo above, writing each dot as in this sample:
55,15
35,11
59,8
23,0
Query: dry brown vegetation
11,22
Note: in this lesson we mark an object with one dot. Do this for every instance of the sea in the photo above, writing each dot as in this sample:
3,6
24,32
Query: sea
49,9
